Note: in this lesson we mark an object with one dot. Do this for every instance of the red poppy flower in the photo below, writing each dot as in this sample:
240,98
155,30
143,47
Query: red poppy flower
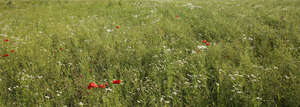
5,55
117,27
116,81
204,41
207,43
92,85
12,51
101,86
227,57
60,49
6,40
177,16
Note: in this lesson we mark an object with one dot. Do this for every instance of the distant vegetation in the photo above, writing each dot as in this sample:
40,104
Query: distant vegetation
177,53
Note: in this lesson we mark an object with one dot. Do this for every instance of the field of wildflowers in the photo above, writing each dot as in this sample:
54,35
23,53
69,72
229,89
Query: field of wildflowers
152,53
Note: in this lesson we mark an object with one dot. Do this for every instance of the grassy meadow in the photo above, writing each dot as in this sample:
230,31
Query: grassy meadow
166,53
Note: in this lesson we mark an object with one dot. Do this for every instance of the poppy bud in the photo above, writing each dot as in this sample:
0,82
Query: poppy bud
207,43
102,86
5,55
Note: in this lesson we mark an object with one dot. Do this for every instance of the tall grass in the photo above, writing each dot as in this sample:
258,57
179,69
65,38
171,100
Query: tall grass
61,46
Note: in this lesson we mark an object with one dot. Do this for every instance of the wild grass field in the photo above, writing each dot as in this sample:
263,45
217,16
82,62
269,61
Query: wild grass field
171,53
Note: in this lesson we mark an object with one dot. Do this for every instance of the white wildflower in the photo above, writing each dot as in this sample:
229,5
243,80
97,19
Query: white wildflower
80,103
109,30
249,38
258,98
201,47
239,92
168,50
161,99
108,89
193,52
40,77
47,97
59,63
3,35
175,93
287,77
232,78
186,83
198,81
